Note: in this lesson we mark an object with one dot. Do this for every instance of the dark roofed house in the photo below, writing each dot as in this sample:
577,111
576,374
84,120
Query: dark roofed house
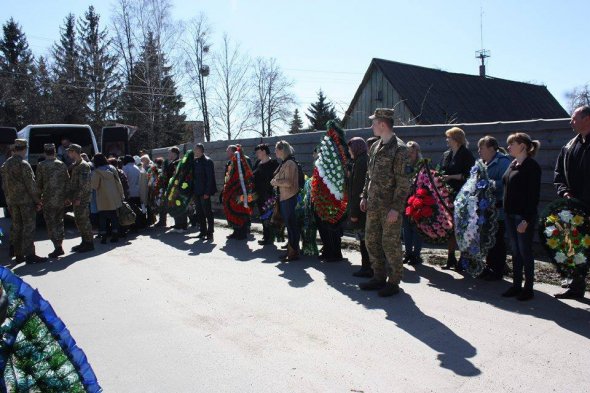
423,95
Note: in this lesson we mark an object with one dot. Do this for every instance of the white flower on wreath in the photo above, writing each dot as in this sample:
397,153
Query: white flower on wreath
579,259
549,231
565,215
560,257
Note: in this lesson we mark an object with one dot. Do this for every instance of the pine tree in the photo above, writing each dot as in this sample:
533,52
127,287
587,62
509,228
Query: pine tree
17,78
98,71
320,112
296,123
150,100
44,83
69,92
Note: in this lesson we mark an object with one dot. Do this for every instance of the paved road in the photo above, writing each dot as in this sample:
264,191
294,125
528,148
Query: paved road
171,313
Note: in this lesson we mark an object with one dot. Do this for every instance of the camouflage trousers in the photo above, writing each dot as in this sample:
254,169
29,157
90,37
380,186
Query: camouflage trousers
82,219
24,220
384,245
54,221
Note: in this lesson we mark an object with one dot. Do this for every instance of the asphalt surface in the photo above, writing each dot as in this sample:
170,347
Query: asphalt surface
165,312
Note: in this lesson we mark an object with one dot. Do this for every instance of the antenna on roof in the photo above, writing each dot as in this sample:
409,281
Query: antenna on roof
482,54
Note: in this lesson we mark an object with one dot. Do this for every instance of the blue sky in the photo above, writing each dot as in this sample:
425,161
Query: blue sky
329,44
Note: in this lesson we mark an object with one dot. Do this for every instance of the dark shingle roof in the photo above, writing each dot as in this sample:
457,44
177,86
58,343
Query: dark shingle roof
436,96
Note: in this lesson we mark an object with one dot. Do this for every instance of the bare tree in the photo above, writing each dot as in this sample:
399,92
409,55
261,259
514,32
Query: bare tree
578,97
196,47
274,98
124,40
233,111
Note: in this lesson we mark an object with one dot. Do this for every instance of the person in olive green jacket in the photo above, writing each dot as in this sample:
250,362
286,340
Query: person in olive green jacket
22,197
384,197
52,182
79,195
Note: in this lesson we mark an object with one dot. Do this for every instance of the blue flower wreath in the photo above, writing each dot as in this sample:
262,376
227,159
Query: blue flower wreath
475,218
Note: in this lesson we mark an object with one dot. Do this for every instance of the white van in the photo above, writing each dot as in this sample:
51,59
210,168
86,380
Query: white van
40,134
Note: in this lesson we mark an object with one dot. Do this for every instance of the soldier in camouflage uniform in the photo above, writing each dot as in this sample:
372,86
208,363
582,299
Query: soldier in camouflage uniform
384,199
79,192
23,201
52,181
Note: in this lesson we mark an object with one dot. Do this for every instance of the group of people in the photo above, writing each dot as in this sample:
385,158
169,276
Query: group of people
379,176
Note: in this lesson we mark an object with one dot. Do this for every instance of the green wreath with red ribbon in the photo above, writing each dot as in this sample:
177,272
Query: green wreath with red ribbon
328,181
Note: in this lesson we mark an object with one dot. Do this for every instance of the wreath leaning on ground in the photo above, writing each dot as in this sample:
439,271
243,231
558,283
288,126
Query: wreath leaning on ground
564,230
475,217
428,205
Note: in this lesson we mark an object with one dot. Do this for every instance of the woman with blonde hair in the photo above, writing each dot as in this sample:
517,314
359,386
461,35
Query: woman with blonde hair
286,179
455,165
522,188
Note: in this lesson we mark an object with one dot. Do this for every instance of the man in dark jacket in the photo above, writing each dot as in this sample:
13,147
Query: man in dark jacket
204,187
572,171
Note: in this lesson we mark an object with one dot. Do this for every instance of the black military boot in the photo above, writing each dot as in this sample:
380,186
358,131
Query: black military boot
32,259
372,285
389,289
58,250
86,247
76,248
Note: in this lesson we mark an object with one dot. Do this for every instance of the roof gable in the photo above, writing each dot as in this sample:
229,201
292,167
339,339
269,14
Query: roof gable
440,97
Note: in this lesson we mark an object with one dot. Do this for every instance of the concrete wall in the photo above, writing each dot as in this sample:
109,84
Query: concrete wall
553,134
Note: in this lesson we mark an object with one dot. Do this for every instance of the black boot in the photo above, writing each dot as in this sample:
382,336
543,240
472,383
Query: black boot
86,247
451,262
365,270
372,285
59,251
32,259
76,248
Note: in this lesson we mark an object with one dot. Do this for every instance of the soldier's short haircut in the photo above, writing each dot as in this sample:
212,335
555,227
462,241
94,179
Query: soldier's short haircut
49,152
387,121
585,110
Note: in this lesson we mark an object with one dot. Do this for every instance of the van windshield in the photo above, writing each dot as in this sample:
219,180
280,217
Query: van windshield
39,136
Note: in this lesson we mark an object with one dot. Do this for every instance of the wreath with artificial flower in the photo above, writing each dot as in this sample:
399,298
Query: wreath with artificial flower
238,190
328,182
428,204
564,230
475,217
180,187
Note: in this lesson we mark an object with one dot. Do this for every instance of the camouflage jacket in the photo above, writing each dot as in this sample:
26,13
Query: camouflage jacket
18,182
52,182
386,184
80,182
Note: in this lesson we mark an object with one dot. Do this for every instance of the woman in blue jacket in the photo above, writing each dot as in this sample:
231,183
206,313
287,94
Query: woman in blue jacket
497,163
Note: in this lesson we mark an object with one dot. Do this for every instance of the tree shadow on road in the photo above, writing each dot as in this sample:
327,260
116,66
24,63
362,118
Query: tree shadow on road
543,306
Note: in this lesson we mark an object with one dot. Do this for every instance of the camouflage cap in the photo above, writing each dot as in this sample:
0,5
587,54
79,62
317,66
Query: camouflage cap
75,147
20,143
382,113
49,147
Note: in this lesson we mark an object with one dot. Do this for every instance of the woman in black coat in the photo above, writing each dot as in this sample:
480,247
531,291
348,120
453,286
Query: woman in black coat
455,165
264,170
522,188
357,148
